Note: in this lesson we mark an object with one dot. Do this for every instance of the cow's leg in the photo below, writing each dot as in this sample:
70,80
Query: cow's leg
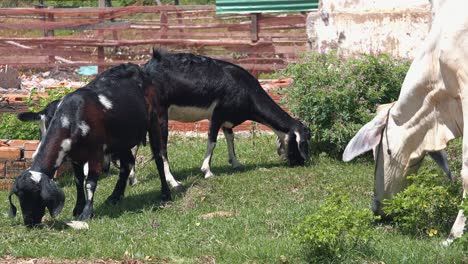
229,135
165,134
127,162
79,183
215,125
94,170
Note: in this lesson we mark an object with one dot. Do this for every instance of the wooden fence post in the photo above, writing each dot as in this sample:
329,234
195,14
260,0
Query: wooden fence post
254,27
100,49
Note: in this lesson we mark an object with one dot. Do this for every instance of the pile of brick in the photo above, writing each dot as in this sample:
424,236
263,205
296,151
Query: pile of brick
15,157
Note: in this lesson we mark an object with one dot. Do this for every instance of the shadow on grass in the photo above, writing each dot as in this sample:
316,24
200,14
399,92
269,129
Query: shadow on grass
151,200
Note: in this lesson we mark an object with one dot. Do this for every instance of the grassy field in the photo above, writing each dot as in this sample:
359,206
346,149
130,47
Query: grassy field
258,207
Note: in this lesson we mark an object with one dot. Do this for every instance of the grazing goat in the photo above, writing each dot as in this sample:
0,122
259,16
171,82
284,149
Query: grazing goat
110,115
45,116
192,88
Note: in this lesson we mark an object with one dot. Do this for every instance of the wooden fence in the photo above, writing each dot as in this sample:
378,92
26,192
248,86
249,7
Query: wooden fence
47,37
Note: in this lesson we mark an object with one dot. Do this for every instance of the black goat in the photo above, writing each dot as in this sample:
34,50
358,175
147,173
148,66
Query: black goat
192,88
110,115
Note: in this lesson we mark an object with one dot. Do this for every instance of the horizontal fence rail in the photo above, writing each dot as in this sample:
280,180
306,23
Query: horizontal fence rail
48,37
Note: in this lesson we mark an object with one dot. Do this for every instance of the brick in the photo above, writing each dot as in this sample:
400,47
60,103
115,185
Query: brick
31,145
15,168
2,169
28,154
10,153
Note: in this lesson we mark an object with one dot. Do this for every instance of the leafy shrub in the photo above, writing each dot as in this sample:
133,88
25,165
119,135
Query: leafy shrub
335,228
12,128
427,207
336,96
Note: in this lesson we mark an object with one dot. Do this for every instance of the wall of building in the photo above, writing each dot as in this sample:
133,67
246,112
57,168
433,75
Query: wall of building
395,27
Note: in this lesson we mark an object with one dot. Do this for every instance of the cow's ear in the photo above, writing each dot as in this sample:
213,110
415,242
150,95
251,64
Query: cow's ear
366,138
53,196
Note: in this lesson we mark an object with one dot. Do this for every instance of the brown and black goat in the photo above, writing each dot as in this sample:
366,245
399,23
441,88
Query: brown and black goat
108,116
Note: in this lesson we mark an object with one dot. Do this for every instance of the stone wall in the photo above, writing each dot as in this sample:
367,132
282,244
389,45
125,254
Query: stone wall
369,26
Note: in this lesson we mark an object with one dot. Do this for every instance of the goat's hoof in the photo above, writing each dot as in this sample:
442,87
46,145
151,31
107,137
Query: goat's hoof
166,197
113,200
85,216
174,184
209,174
132,182
237,166
77,211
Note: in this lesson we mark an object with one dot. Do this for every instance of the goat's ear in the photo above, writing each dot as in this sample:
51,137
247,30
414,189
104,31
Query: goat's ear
440,157
156,54
366,138
53,197
29,116
12,206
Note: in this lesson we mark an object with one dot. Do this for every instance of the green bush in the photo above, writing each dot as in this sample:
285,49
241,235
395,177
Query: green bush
12,128
336,96
335,229
427,207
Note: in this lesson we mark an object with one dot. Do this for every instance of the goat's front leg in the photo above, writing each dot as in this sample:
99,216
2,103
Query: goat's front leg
95,169
229,135
215,125
79,183
127,163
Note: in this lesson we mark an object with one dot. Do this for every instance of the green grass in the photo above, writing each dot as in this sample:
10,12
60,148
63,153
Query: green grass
267,200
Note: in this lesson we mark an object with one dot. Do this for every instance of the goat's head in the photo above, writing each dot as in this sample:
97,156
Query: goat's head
298,144
35,192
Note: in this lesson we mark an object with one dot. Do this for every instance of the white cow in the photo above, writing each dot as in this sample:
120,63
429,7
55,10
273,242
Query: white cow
432,109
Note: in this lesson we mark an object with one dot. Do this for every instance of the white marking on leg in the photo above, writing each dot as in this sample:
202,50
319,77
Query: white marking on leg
65,121
169,177
281,144
66,146
298,137
84,128
36,176
89,192
86,169
206,162
42,125
37,150
232,156
105,101
132,180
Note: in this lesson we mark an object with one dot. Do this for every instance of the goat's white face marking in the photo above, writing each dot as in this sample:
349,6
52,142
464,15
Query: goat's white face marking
66,146
105,101
60,103
190,113
65,122
84,128
298,137
36,176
